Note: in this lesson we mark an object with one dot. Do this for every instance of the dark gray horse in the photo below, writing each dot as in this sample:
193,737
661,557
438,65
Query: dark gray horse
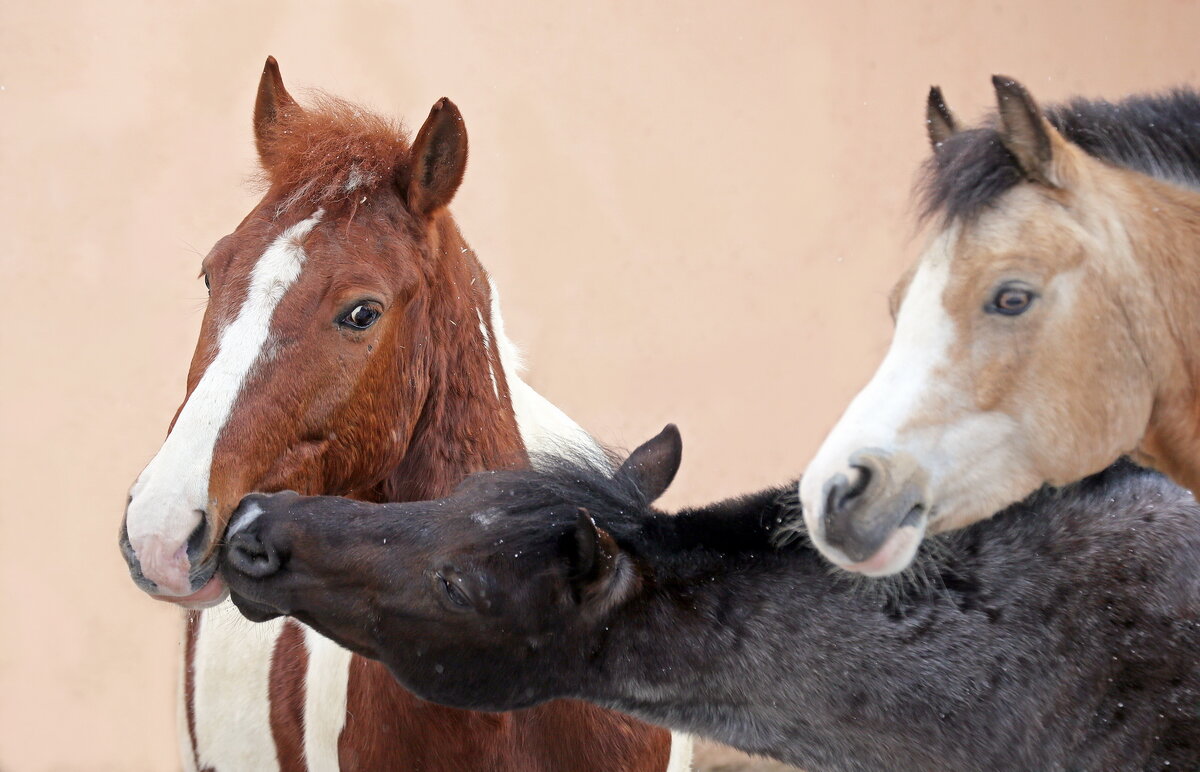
1061,634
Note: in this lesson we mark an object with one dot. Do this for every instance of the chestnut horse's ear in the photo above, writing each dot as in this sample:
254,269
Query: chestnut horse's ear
272,101
1025,131
939,121
439,159
654,464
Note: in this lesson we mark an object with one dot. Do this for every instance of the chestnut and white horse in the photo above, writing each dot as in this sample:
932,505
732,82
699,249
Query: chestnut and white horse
352,344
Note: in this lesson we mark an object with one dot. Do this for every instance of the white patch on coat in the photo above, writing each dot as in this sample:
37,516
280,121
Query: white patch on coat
170,496
231,691
326,691
487,346
544,428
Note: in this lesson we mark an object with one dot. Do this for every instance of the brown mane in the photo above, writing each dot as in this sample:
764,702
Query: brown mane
330,153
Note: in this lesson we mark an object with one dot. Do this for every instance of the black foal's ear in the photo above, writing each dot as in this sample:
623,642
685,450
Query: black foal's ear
654,464
599,573
939,121
439,159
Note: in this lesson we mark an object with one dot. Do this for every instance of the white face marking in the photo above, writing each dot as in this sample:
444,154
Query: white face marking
170,496
924,333
251,513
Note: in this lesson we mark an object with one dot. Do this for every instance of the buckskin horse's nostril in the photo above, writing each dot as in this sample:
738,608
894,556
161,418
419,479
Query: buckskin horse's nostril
843,494
249,555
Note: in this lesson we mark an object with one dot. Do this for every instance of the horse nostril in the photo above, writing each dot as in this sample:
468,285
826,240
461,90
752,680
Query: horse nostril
198,539
249,555
842,494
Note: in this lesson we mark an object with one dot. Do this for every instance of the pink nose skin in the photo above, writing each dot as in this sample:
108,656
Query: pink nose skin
166,564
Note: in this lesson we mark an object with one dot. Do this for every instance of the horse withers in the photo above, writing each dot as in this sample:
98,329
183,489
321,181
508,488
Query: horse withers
1047,329
352,344
1060,634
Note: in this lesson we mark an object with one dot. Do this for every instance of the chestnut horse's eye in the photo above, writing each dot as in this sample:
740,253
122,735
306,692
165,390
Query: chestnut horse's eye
1011,301
207,283
454,592
360,317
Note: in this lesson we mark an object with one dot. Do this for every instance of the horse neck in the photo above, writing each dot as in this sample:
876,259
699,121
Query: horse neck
695,563
1167,323
466,422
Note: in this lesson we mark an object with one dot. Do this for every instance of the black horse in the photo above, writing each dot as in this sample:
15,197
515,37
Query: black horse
1062,634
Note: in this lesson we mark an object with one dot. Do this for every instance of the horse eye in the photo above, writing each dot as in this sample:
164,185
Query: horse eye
207,283
454,593
360,317
1011,301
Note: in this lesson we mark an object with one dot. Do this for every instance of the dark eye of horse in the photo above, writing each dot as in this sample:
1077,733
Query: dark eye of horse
454,593
207,283
360,317
1011,301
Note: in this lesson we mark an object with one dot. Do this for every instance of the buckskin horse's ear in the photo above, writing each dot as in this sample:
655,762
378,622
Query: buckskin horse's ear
272,101
1026,132
439,159
939,121
653,465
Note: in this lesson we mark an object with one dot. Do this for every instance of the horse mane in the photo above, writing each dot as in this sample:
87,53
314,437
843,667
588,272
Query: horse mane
331,152
1155,134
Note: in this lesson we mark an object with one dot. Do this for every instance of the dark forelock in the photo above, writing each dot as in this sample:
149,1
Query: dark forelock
1158,135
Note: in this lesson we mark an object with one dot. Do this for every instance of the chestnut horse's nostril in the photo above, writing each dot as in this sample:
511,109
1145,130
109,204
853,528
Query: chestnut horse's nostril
843,494
198,539
251,556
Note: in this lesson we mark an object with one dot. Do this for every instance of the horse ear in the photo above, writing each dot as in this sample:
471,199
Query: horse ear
590,560
1025,131
595,558
439,156
653,465
939,121
272,101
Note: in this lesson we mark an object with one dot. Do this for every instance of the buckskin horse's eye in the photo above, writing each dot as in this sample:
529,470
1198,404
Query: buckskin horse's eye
360,317
454,592
1011,301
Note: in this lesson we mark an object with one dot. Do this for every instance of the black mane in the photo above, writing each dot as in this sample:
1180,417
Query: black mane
1157,135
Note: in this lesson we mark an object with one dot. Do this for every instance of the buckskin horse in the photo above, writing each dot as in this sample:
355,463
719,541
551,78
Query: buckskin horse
1048,328
1061,634
352,344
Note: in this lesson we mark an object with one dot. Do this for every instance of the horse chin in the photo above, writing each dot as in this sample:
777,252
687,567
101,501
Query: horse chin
252,610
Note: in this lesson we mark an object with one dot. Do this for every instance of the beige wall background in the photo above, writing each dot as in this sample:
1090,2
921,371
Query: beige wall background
694,210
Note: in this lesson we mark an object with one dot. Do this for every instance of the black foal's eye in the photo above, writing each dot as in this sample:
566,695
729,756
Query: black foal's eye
360,317
207,283
454,592
1011,301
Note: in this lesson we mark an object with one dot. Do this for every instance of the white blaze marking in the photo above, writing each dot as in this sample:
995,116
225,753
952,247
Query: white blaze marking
325,694
170,495
924,332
